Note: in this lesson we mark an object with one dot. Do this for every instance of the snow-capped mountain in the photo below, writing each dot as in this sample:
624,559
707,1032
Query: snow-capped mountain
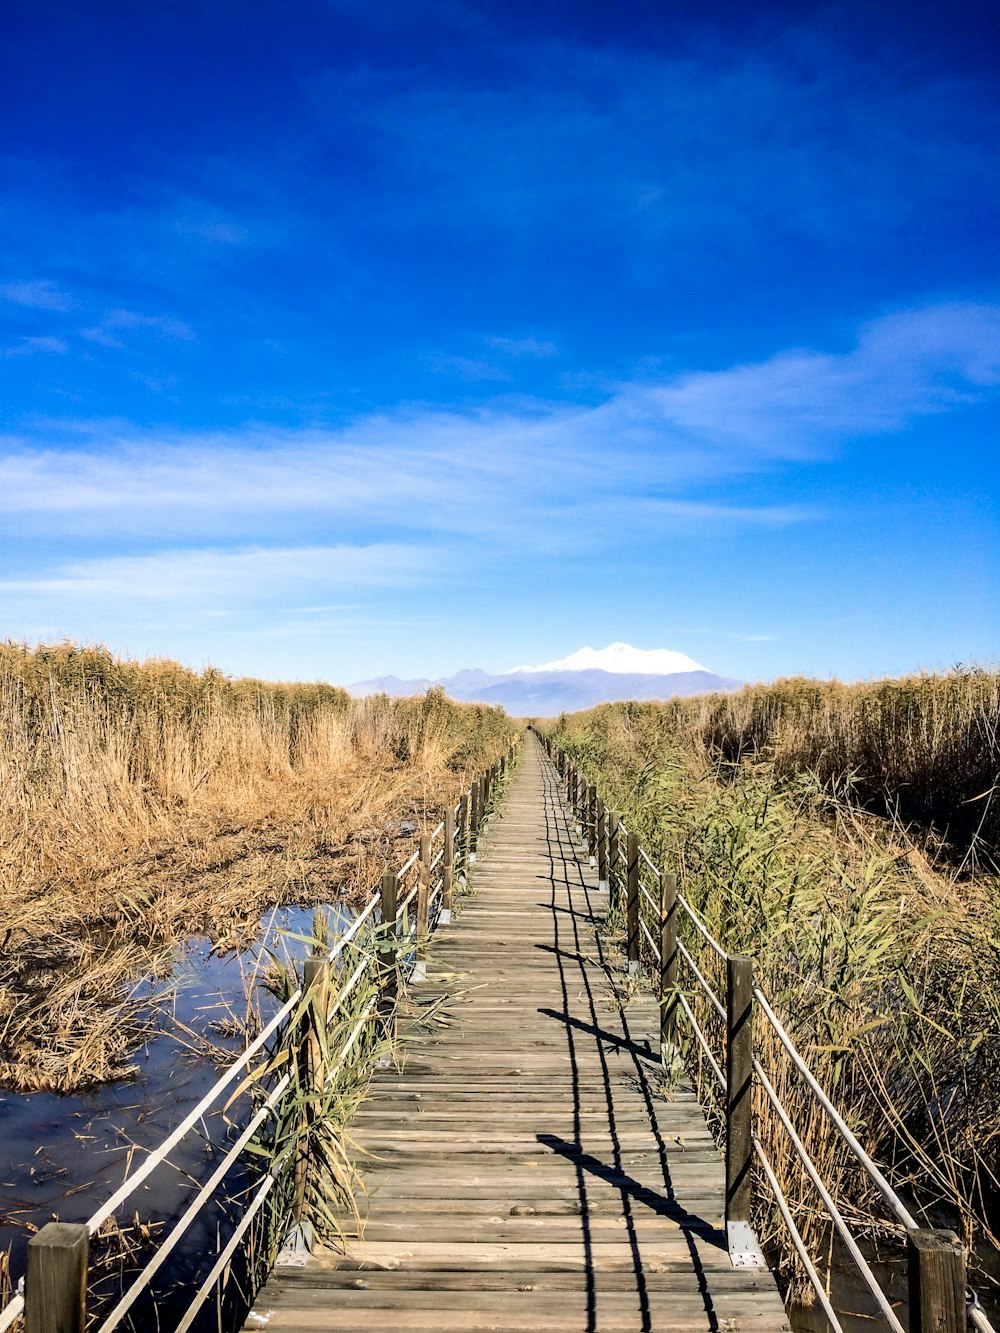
582,680
621,659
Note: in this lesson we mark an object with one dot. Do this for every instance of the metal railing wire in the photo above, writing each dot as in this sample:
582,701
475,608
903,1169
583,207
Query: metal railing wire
674,998
451,860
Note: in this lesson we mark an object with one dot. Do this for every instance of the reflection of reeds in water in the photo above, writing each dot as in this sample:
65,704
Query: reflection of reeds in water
6,1285
885,967
141,801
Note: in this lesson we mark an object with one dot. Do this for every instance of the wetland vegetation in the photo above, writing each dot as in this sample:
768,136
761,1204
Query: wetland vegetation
846,838
142,803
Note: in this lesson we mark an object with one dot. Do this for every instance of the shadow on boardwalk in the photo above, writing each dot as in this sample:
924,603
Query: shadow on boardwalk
523,1171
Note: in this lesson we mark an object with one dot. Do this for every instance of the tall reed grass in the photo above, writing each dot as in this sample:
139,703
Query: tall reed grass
887,969
926,747
140,801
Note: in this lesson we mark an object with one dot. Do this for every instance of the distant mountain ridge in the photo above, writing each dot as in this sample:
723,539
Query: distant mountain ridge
570,685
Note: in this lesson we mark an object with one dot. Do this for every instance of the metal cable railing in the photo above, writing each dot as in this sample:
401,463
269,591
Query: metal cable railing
744,997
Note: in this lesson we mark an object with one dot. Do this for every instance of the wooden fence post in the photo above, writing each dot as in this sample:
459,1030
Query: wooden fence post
447,868
614,861
592,824
581,809
475,816
423,908
632,940
935,1263
388,953
55,1288
739,1074
463,834
668,965
602,844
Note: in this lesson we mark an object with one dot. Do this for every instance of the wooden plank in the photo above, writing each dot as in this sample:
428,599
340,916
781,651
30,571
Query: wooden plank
523,1169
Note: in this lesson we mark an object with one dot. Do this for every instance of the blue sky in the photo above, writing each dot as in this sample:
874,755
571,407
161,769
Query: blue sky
342,338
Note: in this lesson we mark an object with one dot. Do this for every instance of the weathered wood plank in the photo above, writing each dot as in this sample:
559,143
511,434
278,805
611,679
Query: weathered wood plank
524,1170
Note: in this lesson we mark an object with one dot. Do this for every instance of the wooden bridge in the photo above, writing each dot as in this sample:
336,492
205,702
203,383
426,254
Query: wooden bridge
530,1163
524,1169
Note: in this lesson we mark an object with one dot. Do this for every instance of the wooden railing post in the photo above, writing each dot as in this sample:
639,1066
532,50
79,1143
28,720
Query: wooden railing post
614,861
668,966
55,1288
447,868
581,809
463,834
739,1074
602,844
475,818
632,940
423,908
936,1263
592,824
388,952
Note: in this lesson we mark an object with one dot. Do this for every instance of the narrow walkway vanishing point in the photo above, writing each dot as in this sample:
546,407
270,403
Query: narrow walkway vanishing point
524,1170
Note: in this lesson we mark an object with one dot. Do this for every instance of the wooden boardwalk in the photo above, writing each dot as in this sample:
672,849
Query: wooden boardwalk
524,1171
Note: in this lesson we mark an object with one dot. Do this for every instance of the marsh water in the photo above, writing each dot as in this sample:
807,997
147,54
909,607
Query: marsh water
63,1155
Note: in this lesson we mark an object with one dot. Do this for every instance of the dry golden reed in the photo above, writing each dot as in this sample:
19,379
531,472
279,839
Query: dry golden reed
140,801
925,748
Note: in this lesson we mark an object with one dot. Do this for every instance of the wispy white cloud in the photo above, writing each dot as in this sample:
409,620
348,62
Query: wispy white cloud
534,348
472,368
209,577
651,452
37,293
650,147
118,322
905,366
214,230
28,346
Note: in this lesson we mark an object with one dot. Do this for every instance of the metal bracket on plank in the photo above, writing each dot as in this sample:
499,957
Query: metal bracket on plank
744,1251
297,1248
